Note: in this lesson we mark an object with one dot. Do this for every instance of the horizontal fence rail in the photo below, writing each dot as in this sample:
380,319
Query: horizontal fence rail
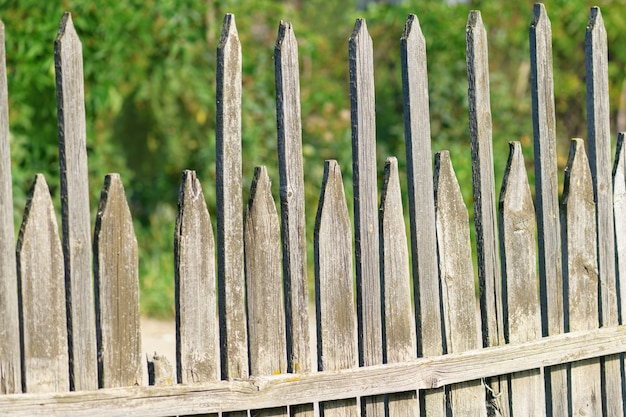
397,331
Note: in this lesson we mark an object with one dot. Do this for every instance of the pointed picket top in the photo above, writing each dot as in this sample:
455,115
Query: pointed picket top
230,260
484,184
197,330
75,212
399,337
336,333
10,374
580,231
117,289
292,201
266,313
41,286
581,275
619,207
457,282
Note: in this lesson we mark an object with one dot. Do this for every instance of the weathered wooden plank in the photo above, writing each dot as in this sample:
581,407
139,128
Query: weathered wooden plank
116,269
284,389
336,333
457,282
292,201
599,131
619,210
366,237
159,370
264,289
230,267
197,333
10,373
75,214
399,342
42,296
580,275
546,184
483,186
421,201
519,269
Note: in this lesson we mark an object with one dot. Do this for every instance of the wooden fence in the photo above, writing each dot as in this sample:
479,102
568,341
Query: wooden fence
551,338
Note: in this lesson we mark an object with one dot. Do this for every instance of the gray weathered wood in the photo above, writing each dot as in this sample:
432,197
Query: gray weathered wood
336,332
68,60
116,273
292,202
10,374
278,390
519,270
398,316
546,184
366,237
42,296
480,128
421,200
197,333
230,268
264,289
159,370
456,282
599,131
619,210
580,275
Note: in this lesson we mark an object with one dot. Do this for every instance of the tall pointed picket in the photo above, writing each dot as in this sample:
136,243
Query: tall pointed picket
421,201
546,183
365,204
336,333
580,276
75,214
456,280
10,374
599,131
117,290
489,277
42,295
399,342
522,315
230,268
292,204
197,333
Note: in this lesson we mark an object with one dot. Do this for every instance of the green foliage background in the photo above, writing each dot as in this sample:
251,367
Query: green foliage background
150,93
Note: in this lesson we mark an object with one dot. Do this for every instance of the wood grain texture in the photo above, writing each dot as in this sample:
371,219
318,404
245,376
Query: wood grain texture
43,328
292,201
456,280
10,373
75,214
264,289
546,185
599,131
230,264
336,332
366,236
197,333
116,268
399,342
519,270
580,276
483,182
421,201
278,390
